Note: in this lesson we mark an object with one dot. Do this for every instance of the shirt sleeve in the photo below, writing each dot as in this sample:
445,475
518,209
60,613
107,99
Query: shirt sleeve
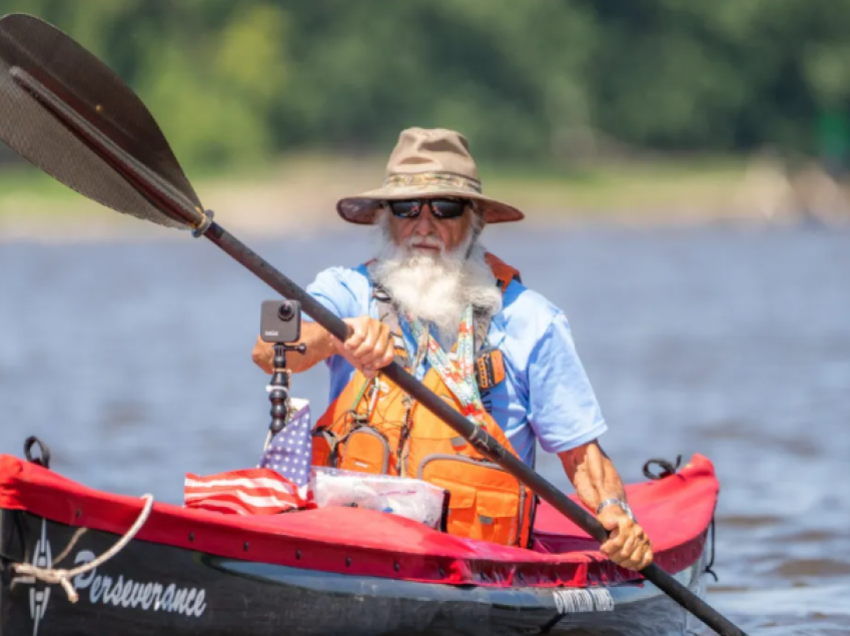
343,292
333,289
562,406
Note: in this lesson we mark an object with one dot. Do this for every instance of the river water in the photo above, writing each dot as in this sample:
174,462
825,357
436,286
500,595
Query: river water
132,361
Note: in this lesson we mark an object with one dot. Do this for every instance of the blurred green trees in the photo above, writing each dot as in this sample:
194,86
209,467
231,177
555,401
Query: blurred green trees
235,81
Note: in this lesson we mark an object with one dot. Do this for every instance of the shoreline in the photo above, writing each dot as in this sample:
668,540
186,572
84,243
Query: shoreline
298,197
52,231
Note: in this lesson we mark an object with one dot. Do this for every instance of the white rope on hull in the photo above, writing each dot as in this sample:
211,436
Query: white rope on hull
30,573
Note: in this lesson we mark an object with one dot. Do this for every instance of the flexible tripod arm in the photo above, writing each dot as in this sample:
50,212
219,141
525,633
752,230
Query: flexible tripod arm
278,387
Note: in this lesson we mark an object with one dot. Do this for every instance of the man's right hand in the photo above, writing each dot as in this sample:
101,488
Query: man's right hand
369,347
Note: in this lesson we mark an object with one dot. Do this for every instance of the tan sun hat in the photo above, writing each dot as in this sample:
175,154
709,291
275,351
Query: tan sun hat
427,162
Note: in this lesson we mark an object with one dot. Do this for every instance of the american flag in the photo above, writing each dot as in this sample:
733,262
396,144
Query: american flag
280,482
290,451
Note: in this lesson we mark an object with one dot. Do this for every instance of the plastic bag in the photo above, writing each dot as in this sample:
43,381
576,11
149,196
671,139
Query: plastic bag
411,498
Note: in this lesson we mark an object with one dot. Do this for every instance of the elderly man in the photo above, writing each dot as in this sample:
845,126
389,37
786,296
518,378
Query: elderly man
461,321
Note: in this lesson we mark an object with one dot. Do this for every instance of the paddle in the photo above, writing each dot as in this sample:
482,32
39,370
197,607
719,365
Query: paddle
66,112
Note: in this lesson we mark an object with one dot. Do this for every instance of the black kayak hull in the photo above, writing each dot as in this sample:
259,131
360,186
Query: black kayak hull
149,587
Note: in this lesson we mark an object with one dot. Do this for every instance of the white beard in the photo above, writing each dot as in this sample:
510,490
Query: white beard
437,286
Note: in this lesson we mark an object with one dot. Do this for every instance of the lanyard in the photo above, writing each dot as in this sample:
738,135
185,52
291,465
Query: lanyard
458,376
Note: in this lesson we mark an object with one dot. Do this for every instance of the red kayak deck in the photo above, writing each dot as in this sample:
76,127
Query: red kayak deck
675,511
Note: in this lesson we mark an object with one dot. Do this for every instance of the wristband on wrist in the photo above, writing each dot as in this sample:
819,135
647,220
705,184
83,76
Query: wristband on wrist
618,502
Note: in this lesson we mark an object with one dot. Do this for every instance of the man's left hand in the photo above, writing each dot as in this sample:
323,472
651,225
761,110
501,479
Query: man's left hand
627,545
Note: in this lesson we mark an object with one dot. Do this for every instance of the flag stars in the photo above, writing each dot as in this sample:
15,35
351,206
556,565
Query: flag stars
290,451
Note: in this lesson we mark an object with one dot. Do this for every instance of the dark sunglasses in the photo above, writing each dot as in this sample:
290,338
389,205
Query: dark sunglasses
440,208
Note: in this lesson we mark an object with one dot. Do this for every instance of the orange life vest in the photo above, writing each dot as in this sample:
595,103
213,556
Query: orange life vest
375,427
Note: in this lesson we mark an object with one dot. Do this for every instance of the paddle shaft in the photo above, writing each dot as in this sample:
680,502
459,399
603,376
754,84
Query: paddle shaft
485,443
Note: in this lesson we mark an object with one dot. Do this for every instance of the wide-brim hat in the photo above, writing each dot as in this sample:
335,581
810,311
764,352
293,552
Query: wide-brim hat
428,162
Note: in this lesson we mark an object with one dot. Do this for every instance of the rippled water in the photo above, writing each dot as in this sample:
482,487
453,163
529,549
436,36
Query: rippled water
133,362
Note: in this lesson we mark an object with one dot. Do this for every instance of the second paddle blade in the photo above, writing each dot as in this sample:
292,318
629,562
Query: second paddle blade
65,111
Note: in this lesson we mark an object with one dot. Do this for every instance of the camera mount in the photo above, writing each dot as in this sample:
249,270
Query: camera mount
278,387
280,325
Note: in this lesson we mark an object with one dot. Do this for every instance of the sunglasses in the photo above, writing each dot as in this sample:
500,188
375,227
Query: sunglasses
440,208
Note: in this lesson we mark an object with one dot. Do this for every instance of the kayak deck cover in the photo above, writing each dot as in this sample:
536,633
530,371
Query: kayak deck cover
675,511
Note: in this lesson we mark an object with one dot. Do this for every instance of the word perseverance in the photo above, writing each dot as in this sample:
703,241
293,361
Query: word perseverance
146,596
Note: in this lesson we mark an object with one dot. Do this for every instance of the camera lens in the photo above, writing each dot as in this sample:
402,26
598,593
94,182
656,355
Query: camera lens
285,311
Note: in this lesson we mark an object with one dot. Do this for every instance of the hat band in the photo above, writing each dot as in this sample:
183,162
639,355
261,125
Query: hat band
440,179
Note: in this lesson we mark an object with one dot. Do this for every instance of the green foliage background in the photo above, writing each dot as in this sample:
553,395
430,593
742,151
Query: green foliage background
241,81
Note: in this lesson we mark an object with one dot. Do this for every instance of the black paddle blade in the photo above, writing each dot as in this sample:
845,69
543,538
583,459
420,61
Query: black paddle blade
65,111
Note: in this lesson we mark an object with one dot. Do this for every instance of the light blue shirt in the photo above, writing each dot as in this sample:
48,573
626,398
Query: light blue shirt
546,393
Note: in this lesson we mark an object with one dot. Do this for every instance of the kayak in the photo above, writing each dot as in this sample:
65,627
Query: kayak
332,570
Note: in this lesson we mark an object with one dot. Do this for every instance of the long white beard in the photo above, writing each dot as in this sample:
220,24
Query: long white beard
437,286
